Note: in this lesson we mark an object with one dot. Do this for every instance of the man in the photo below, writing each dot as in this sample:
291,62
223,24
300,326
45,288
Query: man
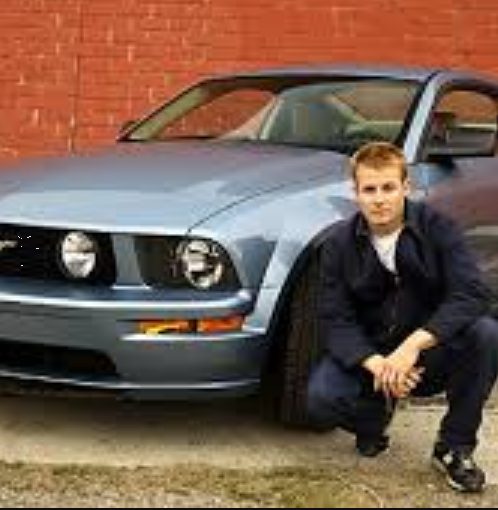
403,311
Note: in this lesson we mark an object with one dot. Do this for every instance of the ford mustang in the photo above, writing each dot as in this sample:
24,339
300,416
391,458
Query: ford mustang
181,261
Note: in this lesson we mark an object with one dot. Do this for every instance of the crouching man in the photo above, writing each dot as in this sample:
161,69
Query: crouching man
403,311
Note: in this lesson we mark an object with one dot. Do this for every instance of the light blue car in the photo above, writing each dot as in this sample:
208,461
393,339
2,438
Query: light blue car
181,262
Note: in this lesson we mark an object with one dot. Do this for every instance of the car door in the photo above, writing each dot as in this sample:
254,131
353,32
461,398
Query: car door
460,169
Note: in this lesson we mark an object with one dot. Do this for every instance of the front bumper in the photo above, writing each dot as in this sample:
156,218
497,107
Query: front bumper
88,338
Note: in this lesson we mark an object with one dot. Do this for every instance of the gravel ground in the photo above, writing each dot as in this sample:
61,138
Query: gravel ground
61,452
204,486
45,486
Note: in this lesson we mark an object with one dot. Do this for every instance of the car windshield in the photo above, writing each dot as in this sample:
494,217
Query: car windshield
327,113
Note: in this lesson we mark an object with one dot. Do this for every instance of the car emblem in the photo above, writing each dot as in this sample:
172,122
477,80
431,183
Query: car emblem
8,243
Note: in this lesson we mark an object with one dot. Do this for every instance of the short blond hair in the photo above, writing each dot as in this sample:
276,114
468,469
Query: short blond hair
378,155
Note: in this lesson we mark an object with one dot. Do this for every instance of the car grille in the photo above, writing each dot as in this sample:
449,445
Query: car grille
56,361
32,252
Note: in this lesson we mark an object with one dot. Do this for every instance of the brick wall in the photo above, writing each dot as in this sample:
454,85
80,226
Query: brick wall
71,71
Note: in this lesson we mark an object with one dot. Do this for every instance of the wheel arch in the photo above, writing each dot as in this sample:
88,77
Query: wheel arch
311,249
276,332
288,362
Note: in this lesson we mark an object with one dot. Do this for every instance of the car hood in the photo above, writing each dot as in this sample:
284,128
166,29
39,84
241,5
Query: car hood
167,187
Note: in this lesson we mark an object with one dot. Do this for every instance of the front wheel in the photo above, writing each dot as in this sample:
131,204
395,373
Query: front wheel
301,346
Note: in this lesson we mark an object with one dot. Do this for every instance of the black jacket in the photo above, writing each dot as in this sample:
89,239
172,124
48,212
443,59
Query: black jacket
365,309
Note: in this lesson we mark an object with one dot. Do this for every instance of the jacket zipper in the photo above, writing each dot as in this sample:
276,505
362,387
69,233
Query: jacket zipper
394,306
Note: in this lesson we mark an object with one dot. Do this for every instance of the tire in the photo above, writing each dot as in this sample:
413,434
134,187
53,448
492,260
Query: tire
301,347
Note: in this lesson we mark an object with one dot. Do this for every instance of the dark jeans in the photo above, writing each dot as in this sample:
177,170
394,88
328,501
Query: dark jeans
465,369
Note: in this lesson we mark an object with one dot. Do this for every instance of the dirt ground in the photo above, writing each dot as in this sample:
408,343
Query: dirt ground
85,452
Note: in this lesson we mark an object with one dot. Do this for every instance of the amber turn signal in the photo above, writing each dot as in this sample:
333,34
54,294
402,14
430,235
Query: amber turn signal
206,325
220,324
157,327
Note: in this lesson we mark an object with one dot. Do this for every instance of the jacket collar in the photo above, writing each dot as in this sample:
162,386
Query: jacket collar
411,223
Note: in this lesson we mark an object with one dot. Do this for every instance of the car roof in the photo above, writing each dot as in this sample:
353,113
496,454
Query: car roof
399,72
358,70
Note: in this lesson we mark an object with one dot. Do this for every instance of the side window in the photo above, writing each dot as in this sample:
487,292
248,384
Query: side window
465,121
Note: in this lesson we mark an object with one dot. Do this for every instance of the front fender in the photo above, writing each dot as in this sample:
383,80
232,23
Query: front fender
298,240
269,236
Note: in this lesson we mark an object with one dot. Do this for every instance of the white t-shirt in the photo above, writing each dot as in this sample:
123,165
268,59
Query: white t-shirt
385,246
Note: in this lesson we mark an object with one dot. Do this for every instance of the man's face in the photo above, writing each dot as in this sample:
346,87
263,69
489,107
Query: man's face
381,197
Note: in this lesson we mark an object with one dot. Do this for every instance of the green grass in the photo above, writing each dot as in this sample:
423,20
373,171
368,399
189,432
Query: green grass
297,487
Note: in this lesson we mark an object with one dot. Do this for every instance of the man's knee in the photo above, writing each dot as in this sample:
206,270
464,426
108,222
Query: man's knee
484,336
329,388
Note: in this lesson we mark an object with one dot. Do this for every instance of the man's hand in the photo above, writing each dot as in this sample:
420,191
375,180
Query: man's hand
405,356
397,374
407,384
375,364
391,382
379,367
402,375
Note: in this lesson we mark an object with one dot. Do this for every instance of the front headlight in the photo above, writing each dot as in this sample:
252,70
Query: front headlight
201,262
182,263
78,255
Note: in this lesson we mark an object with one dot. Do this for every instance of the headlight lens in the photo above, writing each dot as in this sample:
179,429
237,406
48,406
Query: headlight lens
201,262
78,255
184,263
